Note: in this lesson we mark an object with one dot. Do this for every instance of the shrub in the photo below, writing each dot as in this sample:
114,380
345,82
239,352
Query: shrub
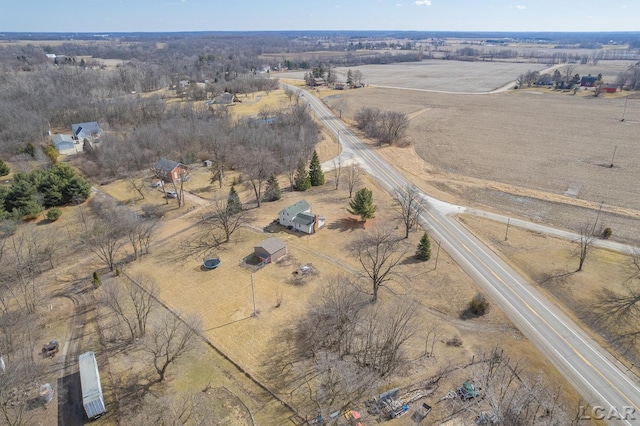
606,233
4,168
479,305
456,342
54,214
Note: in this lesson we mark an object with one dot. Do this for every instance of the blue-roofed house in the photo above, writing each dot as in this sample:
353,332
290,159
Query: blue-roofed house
90,130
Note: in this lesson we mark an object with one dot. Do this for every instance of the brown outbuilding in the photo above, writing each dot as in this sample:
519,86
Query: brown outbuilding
270,250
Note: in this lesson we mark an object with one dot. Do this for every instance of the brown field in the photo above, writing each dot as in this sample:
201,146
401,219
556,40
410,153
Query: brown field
538,154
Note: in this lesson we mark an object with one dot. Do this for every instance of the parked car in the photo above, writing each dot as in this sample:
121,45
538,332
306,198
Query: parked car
156,183
171,194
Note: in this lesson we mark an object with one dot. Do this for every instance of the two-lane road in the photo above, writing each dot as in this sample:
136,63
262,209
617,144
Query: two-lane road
591,369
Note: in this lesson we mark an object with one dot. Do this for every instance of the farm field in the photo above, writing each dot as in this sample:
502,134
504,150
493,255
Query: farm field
438,75
535,153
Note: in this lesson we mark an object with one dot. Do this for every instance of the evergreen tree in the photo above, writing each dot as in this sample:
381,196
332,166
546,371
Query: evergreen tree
316,175
349,78
301,180
4,168
233,201
272,192
424,248
362,204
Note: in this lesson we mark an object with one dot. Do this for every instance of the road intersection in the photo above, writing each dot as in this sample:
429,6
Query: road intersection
598,376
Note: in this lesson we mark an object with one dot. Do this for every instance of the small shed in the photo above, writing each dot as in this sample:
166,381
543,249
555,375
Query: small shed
609,88
270,250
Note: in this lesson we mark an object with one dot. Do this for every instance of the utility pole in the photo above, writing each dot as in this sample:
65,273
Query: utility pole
253,296
615,148
437,255
506,234
597,217
625,106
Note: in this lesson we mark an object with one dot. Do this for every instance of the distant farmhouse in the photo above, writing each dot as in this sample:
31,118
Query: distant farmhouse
298,217
170,171
588,81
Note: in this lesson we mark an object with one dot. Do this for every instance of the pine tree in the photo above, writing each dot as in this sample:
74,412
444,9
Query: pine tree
362,204
272,192
424,248
315,171
233,201
4,168
301,180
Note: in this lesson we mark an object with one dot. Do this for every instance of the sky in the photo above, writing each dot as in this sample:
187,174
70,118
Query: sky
259,15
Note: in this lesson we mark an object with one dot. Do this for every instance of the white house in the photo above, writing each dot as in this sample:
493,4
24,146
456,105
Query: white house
299,218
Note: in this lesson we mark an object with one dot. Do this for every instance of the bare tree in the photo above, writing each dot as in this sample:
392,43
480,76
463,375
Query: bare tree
103,239
225,220
101,230
379,252
139,232
392,127
568,73
171,339
433,333
136,185
518,398
115,300
332,320
132,300
586,239
620,311
21,376
258,164
411,205
216,228
353,178
382,335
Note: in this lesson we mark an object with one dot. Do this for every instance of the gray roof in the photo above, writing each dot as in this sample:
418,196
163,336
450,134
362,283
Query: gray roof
304,219
85,129
297,208
166,166
272,245
57,139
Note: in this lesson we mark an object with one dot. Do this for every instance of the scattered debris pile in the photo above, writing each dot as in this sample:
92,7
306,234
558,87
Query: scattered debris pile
50,349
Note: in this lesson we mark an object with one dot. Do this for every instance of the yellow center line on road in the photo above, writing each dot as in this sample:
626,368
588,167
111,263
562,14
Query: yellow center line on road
368,156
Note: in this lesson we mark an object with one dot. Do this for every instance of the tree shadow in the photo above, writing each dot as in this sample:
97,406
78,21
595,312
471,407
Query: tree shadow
554,276
413,260
70,411
346,224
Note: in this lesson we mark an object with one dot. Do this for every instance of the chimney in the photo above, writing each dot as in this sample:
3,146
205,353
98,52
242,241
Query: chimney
315,223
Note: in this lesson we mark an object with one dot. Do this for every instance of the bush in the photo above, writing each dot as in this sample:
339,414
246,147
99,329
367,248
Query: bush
606,233
456,342
4,168
54,214
479,305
